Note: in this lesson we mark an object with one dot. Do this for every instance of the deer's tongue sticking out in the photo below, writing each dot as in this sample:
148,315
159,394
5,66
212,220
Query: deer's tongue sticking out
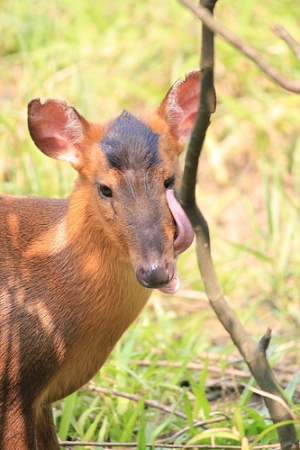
183,240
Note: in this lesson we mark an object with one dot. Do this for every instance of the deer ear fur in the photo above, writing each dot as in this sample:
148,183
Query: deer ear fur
56,129
180,106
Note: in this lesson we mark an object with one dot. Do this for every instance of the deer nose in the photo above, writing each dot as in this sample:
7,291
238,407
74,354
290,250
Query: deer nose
156,276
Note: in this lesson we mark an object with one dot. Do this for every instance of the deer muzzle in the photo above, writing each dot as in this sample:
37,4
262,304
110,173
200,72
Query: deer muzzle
163,275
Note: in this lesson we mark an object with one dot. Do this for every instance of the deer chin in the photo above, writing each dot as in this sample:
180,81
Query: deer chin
173,285
183,239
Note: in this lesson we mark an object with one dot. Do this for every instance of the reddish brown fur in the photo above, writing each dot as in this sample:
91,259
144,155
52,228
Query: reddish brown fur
67,274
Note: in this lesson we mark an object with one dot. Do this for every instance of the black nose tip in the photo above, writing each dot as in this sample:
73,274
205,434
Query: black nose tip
156,276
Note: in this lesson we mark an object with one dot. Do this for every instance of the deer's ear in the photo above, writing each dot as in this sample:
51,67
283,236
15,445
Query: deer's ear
56,129
180,106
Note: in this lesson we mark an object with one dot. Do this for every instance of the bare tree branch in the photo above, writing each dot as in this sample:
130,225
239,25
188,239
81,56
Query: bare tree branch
281,32
134,445
253,353
136,398
207,18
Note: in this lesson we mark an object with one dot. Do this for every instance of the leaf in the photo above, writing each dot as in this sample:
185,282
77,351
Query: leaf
292,386
132,422
268,430
239,423
67,416
188,411
141,436
224,433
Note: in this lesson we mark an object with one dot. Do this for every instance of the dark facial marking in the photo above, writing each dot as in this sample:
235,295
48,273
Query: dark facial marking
130,145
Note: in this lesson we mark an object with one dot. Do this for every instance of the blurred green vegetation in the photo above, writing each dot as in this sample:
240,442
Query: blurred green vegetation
102,57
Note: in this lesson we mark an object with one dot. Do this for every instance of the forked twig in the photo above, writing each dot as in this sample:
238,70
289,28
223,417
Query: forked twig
282,33
250,52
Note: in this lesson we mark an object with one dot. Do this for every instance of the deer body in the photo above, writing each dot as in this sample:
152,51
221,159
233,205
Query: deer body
76,272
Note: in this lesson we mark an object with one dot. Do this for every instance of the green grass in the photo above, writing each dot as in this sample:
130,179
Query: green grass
102,57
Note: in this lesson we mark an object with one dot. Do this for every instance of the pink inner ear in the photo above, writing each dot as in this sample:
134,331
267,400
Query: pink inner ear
182,104
55,129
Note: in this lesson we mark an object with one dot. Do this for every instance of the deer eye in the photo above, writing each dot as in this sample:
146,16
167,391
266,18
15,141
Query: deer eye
169,182
104,191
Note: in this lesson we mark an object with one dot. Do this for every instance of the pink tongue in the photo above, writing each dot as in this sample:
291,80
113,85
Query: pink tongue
184,228
183,240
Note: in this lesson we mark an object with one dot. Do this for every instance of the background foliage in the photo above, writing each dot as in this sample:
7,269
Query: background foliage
102,57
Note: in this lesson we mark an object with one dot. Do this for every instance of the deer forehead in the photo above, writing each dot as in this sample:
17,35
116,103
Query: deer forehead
129,144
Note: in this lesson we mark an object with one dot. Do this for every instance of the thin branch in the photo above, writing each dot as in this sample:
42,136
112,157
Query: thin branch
265,340
136,398
198,367
249,51
254,354
110,445
200,424
153,404
282,33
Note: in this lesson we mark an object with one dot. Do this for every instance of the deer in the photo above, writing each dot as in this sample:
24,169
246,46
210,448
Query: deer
76,272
